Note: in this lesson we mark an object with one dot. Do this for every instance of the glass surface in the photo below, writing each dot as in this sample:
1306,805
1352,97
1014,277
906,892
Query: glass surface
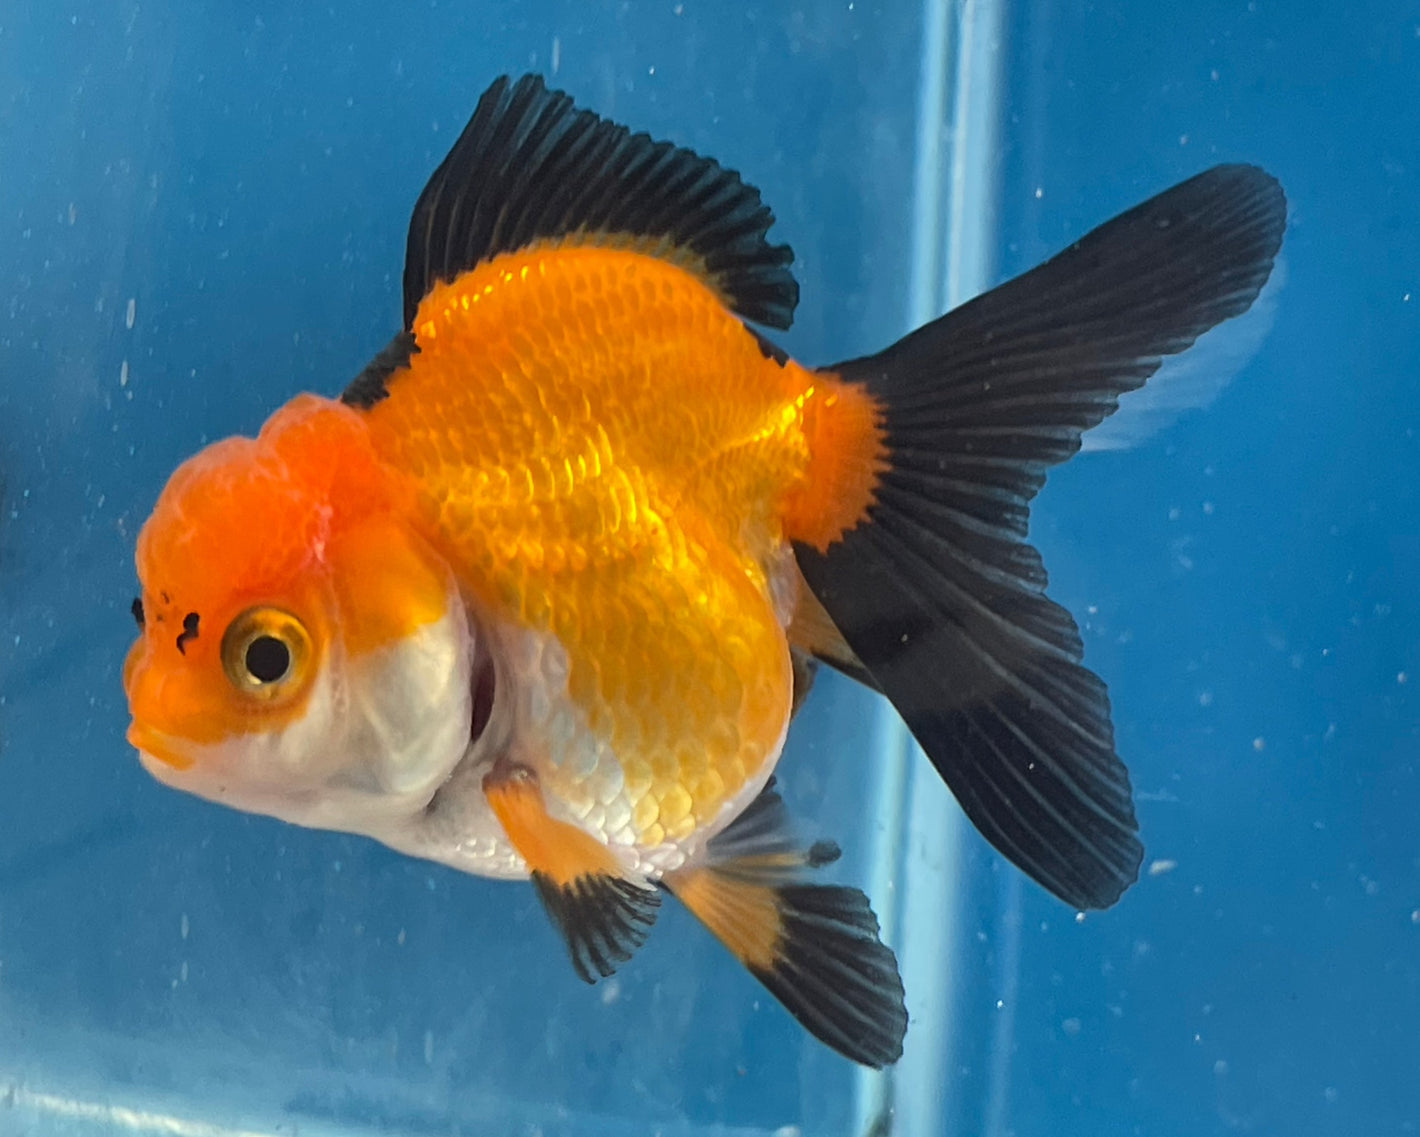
202,211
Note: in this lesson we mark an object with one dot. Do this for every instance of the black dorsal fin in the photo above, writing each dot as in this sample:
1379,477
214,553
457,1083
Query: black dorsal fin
530,166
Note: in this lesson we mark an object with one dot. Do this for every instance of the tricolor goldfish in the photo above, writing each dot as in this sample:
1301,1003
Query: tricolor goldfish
539,594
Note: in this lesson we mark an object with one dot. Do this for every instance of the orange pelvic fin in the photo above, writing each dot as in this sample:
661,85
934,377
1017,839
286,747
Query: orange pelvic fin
814,946
603,915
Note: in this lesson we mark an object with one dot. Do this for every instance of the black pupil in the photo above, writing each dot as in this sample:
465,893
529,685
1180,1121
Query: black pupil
268,659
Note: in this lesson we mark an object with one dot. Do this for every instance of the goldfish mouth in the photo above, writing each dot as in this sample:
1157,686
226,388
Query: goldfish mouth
158,746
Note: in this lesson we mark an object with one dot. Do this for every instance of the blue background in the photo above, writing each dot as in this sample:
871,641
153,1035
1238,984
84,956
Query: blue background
1246,583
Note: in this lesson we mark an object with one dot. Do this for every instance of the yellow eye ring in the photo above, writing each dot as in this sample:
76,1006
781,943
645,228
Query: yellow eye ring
266,653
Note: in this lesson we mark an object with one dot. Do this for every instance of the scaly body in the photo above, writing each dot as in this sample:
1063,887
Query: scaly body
618,516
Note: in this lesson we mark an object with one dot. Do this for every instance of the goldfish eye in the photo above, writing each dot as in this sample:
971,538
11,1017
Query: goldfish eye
266,653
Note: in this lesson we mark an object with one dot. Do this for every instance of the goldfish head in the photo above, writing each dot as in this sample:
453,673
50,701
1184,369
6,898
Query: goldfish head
304,652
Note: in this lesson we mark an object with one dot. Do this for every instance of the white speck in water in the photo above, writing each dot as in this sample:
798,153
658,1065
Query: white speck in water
556,53
1415,916
1205,698
1402,678
399,939
1039,192
1259,743
185,925
788,1131
1208,508
1220,1067
611,992
132,312
678,10
123,374
1071,1027
1183,140
1213,75
1000,1004
1174,514
1331,1095
428,1048
182,972
650,71
1079,917
1161,866
1405,299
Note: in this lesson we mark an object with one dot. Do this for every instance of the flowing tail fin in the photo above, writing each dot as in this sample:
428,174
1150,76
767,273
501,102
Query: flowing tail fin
936,591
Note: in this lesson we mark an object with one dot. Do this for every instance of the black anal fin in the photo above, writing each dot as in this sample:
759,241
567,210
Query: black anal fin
815,947
938,593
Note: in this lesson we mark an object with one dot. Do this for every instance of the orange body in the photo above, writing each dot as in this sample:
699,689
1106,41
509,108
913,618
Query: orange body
604,453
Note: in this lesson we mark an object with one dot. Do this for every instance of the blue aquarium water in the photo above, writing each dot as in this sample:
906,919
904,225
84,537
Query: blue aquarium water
202,212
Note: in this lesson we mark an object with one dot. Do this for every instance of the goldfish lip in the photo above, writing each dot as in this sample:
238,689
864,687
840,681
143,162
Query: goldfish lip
158,746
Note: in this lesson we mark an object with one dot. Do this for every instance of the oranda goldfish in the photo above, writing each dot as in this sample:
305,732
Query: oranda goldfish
539,594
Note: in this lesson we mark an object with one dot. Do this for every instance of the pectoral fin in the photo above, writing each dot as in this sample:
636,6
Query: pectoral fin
603,914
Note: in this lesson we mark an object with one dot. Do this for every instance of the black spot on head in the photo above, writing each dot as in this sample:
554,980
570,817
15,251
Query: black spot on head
268,659
137,610
189,631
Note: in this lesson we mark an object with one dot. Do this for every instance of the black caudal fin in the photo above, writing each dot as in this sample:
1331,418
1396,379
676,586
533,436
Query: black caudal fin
814,946
938,592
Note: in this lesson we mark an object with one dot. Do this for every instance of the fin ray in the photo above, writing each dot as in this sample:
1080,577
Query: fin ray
530,166
603,916
815,947
938,592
